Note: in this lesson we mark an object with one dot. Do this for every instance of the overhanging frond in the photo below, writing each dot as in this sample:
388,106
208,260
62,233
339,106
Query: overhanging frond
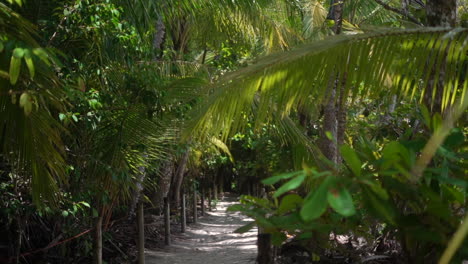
394,61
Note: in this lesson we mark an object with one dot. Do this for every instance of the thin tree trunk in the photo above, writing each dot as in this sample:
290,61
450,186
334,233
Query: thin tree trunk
98,240
265,255
138,188
195,213
202,201
183,214
141,233
209,200
167,222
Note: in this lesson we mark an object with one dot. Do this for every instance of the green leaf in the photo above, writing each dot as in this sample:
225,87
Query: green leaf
15,67
316,202
18,53
289,203
245,228
341,201
26,103
29,62
426,116
1,46
42,54
235,208
290,185
277,178
64,213
352,159
380,207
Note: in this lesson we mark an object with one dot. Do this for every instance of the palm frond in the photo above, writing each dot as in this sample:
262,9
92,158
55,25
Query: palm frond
393,61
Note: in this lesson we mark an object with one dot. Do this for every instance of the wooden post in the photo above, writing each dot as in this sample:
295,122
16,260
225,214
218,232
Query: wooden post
195,216
167,222
183,216
264,249
141,233
203,202
209,200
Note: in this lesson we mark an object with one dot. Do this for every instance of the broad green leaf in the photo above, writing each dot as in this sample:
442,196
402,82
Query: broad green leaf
26,103
29,62
277,178
290,185
316,202
64,213
245,228
15,67
352,159
289,202
341,201
1,46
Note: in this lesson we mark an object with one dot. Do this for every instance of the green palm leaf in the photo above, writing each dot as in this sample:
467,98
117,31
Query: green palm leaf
393,61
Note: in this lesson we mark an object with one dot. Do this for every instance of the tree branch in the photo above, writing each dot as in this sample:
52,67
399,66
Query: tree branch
399,11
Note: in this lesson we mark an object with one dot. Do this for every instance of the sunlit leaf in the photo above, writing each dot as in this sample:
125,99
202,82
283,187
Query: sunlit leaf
26,103
15,68
277,178
290,185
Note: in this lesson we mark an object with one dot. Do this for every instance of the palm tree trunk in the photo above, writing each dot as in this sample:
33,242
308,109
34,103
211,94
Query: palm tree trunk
141,233
159,38
163,184
440,13
179,177
333,115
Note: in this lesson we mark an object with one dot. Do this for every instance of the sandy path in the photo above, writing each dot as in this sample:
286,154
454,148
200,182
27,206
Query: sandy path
211,241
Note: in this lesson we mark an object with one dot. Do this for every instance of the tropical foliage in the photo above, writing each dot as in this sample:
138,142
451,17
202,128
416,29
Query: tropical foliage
333,118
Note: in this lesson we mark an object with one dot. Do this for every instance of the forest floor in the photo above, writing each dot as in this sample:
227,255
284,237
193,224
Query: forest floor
211,241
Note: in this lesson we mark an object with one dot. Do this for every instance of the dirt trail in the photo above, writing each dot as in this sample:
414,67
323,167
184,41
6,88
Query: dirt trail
210,241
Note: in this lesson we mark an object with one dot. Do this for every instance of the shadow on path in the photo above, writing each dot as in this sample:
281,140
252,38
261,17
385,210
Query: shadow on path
211,240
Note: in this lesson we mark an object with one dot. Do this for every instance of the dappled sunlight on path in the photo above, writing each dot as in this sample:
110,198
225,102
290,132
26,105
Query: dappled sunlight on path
210,241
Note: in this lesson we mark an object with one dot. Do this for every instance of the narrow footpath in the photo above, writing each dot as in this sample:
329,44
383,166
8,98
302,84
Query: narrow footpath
211,241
